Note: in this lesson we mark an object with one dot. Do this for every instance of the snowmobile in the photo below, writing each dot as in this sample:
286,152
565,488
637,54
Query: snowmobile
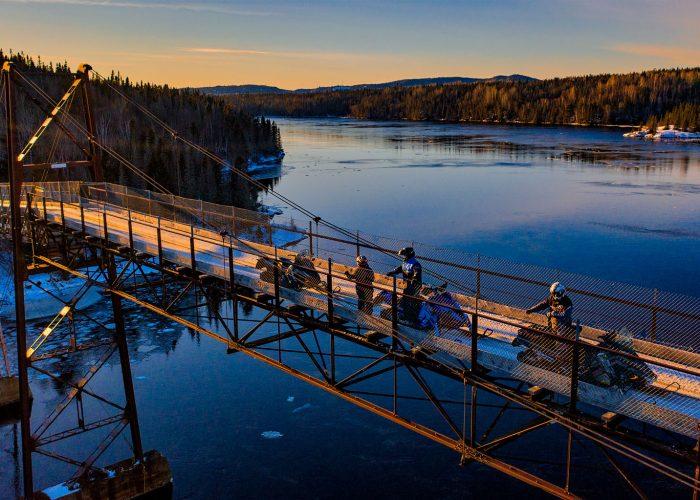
606,369
598,367
297,274
267,272
445,307
305,273
439,310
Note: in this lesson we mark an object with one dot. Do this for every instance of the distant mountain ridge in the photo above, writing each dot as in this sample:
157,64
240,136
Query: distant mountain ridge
410,82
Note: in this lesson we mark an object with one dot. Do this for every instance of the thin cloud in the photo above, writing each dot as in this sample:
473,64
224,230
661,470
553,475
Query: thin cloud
214,50
675,54
288,54
192,7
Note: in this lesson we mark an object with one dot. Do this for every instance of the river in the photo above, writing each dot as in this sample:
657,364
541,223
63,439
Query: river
579,199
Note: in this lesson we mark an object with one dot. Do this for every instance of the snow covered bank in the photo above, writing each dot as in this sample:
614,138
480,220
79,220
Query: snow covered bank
664,134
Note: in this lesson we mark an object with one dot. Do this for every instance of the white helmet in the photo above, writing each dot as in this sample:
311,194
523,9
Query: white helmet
557,289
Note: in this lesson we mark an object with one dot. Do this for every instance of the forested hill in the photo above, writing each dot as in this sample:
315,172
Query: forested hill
233,134
664,96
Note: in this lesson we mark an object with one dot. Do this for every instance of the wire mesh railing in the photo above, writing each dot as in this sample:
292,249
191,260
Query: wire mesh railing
630,350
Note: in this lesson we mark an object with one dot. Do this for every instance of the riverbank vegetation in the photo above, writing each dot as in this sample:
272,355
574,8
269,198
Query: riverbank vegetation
667,96
234,134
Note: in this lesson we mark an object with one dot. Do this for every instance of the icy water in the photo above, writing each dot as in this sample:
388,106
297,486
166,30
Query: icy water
584,200
579,199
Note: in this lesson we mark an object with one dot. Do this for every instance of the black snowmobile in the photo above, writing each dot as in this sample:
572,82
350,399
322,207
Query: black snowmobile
598,367
295,275
609,370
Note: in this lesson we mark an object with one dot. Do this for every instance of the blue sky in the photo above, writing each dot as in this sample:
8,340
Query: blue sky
308,43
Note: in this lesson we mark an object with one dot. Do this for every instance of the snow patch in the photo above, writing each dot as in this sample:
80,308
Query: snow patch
663,134
304,407
58,491
271,435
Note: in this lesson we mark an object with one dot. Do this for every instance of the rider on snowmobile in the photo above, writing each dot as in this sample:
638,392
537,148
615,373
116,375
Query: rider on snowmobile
559,305
412,273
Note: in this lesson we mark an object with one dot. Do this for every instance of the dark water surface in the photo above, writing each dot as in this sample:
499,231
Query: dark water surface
584,200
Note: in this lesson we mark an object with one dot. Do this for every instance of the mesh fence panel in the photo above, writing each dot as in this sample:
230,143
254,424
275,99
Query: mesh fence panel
637,351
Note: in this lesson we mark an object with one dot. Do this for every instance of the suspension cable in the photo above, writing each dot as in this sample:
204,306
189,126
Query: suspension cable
217,159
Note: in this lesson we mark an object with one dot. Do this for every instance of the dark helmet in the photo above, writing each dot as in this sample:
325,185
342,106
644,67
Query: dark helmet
407,252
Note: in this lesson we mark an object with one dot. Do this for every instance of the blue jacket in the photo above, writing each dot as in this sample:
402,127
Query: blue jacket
410,270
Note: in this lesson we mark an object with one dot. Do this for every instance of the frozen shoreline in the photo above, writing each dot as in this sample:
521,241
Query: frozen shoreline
664,135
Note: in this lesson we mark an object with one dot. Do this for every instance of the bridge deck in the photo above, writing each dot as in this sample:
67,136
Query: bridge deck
673,403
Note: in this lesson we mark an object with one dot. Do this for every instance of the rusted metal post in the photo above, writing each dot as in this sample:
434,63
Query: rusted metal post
234,294
277,307
19,271
159,238
96,165
696,490
575,362
394,311
82,220
120,338
105,233
311,239
64,239
569,446
193,257
472,421
394,331
63,215
329,286
474,345
131,230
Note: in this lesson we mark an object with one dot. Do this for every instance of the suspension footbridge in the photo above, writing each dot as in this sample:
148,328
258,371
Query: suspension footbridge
192,254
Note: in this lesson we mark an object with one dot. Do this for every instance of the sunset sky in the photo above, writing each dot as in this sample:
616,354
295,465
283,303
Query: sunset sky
295,44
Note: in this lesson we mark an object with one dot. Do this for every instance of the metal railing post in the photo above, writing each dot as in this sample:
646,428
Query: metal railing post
329,286
105,234
474,342
311,239
472,421
82,220
159,237
63,215
193,258
394,330
234,294
277,307
131,230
